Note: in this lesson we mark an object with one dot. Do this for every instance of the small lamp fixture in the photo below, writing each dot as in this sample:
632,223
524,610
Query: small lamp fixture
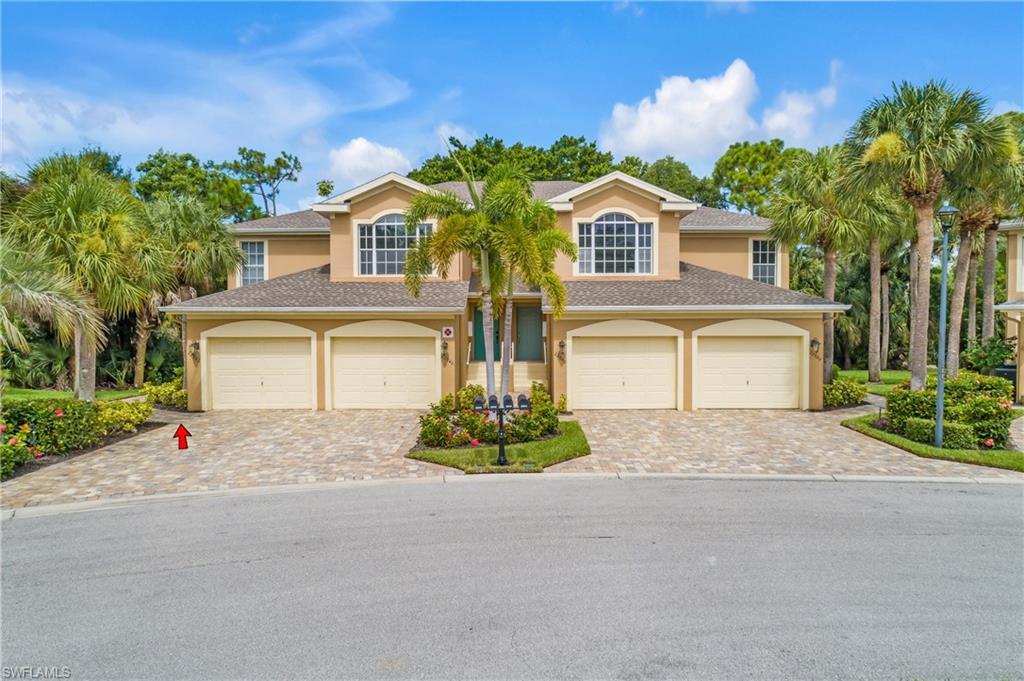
948,215
444,352
815,346
193,350
561,350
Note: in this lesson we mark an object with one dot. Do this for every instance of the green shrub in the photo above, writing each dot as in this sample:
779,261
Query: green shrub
988,355
954,435
563,404
465,396
434,429
967,384
844,391
170,394
988,416
122,416
57,426
902,403
14,449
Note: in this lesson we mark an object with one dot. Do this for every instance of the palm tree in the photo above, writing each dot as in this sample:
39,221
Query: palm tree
815,206
32,288
910,140
90,226
463,228
202,251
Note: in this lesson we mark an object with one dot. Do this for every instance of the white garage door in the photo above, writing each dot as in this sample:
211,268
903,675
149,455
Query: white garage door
260,373
748,372
384,373
624,373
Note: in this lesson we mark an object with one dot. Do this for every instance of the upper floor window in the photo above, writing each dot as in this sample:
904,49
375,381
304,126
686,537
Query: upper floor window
764,261
384,243
615,244
254,267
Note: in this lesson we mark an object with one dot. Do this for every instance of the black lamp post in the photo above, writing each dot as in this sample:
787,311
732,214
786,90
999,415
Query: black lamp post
947,218
506,406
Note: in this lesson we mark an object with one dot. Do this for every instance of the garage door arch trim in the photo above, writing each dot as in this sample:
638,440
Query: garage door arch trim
387,328
254,328
624,328
753,327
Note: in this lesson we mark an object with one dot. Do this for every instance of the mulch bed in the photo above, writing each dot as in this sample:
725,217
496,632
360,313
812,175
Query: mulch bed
51,459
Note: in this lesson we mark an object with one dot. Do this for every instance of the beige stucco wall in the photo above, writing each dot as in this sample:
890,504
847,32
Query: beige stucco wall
642,206
728,253
366,209
1014,285
194,327
559,329
289,254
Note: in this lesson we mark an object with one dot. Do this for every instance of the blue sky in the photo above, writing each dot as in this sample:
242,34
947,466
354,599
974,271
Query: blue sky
359,89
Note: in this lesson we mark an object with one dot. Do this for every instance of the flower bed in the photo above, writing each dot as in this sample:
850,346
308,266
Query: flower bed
33,429
452,422
982,403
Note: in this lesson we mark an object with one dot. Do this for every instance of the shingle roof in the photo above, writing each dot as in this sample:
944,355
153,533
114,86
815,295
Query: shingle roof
696,286
542,190
299,221
313,289
715,218
518,287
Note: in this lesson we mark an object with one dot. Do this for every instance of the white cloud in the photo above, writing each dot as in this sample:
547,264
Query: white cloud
446,130
697,119
627,5
360,160
794,115
1004,106
687,118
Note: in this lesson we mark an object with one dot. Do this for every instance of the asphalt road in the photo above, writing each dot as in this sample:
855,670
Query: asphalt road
530,578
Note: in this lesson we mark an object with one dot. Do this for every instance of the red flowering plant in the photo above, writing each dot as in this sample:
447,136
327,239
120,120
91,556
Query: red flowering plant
15,449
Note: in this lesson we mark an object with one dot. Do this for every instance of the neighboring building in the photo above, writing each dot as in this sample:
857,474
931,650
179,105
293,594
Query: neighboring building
1013,308
671,306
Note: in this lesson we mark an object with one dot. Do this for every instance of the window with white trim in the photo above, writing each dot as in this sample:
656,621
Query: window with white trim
254,266
763,259
615,244
384,243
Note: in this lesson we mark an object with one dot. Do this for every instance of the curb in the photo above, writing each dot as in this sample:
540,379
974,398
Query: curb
460,478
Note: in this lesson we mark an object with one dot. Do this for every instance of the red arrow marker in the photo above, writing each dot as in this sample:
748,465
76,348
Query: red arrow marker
181,433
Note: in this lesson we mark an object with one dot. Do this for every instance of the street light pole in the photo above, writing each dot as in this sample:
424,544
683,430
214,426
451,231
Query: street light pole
947,217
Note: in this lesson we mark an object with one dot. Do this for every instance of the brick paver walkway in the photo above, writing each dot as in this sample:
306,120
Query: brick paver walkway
758,442
232,450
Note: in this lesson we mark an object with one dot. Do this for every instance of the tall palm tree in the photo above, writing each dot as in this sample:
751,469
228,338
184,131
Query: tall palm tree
814,205
464,228
90,226
32,288
201,250
910,140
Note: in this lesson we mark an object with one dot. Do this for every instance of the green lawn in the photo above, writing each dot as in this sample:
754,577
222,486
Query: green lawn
996,458
890,379
33,394
528,457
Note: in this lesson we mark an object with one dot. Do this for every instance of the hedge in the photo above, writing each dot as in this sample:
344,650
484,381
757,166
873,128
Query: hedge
954,435
844,391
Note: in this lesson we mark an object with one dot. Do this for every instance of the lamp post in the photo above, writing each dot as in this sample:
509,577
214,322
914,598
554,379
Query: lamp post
947,218
501,408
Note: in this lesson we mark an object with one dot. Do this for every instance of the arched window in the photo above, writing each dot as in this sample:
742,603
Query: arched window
615,244
384,243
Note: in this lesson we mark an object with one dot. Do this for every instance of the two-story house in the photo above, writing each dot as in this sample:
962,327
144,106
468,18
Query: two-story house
671,305
1013,308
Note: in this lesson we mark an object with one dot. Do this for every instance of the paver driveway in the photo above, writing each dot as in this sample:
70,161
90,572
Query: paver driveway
230,450
750,441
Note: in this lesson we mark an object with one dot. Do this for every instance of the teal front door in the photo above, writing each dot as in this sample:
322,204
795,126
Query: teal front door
529,334
478,337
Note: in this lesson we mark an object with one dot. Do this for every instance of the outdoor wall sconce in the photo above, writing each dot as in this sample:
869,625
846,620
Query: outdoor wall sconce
444,352
193,350
561,351
815,346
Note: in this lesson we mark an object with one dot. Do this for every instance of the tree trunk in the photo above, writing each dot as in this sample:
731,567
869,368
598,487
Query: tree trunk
143,329
875,321
488,322
956,303
506,346
912,261
830,321
884,350
85,365
972,296
988,286
924,212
